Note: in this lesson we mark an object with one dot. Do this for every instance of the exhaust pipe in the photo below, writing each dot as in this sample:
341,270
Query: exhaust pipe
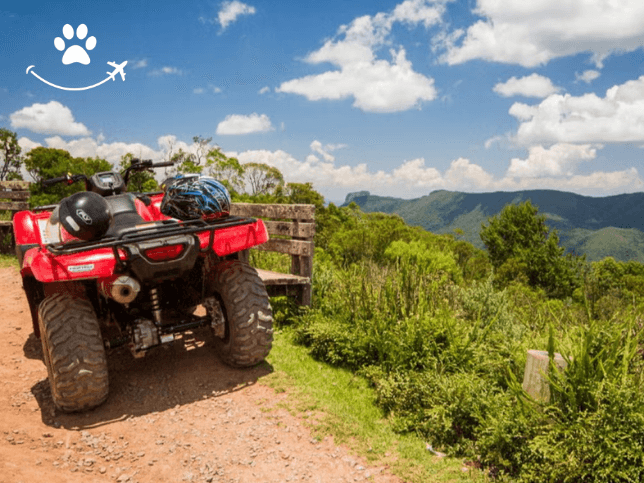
121,288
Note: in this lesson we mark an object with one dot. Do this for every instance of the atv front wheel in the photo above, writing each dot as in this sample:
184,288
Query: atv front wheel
247,313
73,351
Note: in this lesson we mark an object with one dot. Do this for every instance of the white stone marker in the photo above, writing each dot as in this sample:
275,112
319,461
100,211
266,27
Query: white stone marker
536,368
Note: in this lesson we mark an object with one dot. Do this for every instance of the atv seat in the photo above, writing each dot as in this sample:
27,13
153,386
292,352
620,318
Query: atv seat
124,212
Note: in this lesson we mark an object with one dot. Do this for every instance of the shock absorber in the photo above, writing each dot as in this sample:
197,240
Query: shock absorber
156,305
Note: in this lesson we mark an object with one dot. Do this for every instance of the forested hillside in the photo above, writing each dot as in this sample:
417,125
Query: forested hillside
599,227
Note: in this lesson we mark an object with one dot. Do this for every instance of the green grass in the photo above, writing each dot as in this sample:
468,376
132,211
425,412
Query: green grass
343,406
8,261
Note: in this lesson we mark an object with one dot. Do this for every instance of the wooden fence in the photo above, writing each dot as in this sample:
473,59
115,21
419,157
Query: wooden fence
14,197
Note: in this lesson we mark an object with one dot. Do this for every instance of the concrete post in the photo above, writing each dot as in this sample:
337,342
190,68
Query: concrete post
536,368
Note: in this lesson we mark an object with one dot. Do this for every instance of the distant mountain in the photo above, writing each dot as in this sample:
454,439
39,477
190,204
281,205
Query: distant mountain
600,227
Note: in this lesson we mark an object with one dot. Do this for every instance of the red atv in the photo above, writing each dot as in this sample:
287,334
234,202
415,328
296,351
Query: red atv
105,268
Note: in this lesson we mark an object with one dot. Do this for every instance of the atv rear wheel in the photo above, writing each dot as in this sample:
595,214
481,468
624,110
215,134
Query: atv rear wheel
247,312
73,351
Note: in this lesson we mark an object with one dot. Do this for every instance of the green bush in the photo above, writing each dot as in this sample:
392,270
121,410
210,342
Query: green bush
445,409
444,342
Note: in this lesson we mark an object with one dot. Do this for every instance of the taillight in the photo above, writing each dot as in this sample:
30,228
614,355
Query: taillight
164,253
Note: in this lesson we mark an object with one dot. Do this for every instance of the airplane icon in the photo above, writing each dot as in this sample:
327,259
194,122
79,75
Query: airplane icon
118,69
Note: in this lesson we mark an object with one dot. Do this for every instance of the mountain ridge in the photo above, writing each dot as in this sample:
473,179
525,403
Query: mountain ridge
606,226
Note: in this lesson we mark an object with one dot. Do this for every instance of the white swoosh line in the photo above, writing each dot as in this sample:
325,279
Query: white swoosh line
67,88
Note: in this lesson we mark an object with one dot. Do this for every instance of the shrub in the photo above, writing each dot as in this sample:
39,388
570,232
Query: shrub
445,409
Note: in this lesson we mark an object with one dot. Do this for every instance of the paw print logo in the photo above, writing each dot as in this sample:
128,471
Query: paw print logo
75,53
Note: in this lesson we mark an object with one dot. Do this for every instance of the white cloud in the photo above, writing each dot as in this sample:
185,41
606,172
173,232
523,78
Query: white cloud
558,160
617,117
166,70
599,183
240,124
231,10
376,85
587,76
551,168
138,64
112,152
533,32
417,11
50,118
316,147
414,178
27,144
493,140
264,90
211,87
534,85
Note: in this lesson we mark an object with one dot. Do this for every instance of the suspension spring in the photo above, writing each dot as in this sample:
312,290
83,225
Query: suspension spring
156,305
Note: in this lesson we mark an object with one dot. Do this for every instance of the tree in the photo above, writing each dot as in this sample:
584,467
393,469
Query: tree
303,193
227,170
9,155
191,163
262,178
521,247
45,163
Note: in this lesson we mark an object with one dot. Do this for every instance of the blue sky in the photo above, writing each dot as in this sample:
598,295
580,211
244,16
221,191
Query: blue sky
398,98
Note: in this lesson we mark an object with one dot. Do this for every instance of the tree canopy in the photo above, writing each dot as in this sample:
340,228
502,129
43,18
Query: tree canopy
44,163
10,158
521,247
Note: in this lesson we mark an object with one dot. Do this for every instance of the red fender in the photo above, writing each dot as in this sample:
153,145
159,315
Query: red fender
236,238
25,227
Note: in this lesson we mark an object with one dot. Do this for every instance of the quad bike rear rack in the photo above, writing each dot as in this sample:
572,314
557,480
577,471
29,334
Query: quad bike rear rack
159,229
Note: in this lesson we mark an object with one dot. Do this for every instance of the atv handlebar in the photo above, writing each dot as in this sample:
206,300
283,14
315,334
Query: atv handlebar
136,165
68,178
147,163
52,181
143,165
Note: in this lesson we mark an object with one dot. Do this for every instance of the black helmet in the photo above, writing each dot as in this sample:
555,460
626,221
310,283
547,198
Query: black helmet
85,215
192,197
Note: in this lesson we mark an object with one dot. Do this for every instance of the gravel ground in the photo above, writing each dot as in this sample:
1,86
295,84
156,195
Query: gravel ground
177,415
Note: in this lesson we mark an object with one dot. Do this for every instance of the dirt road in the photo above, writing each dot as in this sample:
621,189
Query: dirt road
178,415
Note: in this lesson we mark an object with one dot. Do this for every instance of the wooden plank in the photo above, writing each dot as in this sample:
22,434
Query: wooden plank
14,195
276,278
14,205
257,210
6,223
15,185
288,228
292,247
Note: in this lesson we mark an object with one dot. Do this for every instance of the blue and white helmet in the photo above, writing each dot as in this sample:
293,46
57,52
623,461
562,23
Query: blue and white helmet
195,196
